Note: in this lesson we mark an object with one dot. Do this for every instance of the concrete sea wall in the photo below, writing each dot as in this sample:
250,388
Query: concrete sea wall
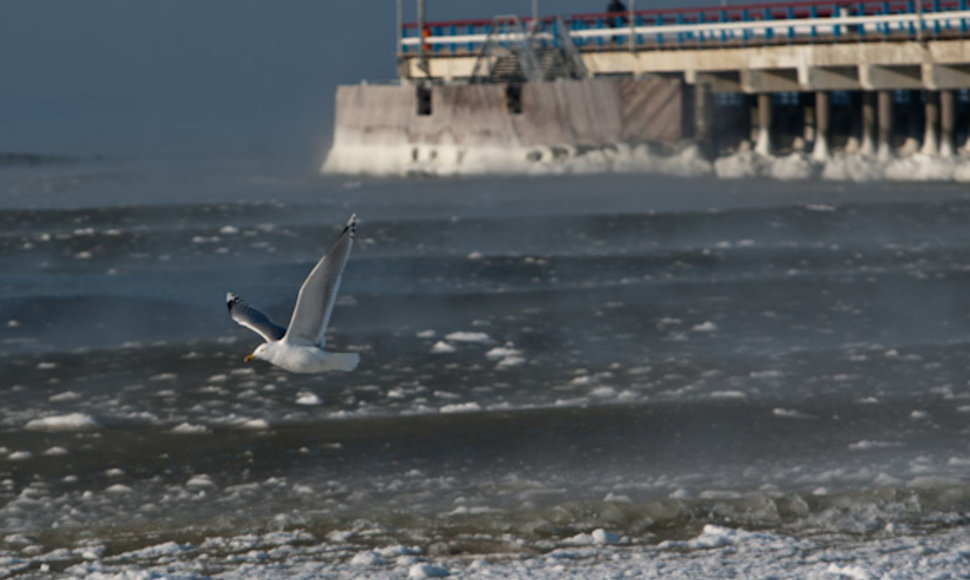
496,128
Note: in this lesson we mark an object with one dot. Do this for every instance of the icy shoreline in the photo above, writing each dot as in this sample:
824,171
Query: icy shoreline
685,161
716,552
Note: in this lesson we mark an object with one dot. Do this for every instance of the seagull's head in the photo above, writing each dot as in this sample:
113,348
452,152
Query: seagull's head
261,352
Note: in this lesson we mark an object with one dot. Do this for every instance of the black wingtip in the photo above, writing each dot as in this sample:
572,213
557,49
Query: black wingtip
352,224
231,300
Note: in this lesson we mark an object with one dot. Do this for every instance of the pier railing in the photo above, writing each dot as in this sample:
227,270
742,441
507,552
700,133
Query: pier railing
795,22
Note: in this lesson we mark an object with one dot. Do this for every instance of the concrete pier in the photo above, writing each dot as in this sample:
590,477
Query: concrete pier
885,121
704,132
868,122
870,76
947,120
763,141
868,49
383,124
930,120
821,150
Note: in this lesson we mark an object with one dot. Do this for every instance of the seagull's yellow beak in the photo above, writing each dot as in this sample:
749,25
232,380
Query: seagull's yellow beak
249,358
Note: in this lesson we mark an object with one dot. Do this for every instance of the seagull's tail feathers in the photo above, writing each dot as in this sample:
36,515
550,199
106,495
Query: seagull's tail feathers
342,361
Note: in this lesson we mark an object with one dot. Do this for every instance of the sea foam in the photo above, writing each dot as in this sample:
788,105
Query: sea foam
685,160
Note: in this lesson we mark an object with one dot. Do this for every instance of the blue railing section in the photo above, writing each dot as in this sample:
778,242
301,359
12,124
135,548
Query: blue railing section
807,21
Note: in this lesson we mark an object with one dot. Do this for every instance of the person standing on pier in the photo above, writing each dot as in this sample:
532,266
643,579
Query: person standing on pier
617,16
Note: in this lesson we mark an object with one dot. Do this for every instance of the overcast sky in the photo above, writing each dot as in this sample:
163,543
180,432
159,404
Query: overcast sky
201,76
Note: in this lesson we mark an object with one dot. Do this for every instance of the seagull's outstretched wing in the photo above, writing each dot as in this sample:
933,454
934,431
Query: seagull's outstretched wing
253,318
319,292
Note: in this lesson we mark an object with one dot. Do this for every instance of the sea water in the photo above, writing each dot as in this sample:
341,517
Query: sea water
583,375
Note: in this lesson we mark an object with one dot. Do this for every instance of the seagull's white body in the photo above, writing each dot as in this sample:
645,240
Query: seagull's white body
305,359
299,347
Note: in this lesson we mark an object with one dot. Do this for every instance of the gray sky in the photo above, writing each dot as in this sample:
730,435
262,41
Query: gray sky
135,77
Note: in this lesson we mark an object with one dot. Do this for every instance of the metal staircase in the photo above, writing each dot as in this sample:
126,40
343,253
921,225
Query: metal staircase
513,54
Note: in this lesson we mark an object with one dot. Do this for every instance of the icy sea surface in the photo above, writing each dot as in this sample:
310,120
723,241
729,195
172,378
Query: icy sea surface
564,376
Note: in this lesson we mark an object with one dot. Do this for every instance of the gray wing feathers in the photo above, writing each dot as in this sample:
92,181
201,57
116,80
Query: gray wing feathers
319,292
253,318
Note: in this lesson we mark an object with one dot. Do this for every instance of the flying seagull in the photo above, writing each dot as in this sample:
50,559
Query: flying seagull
299,347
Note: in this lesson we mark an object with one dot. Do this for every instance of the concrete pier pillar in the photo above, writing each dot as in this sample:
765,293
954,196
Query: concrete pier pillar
930,120
704,119
808,122
885,119
947,121
763,144
821,150
868,122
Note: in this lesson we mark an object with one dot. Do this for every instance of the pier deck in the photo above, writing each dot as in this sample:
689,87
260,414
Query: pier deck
799,46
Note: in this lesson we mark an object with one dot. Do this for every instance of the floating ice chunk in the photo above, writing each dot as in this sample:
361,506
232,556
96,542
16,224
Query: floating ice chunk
768,374
598,537
200,480
56,451
854,572
475,256
714,537
823,207
727,395
510,361
442,347
309,399
164,377
790,414
603,392
426,334
473,510
705,327
189,429
866,445
465,336
503,352
46,366
69,422
254,424
228,230
118,489
20,455
420,571
920,415
152,553
461,408
365,559
601,536
64,397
